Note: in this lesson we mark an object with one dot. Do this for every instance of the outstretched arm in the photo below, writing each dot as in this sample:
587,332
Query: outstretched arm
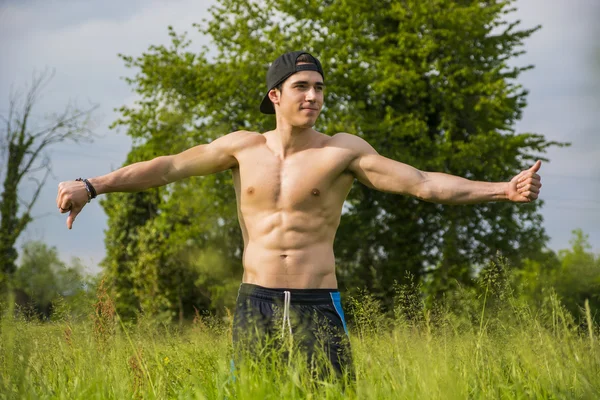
200,160
387,175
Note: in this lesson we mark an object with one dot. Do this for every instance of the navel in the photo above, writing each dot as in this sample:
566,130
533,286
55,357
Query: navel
316,192
250,190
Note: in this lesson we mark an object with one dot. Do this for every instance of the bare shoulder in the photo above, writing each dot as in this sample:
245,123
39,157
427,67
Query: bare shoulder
238,140
352,143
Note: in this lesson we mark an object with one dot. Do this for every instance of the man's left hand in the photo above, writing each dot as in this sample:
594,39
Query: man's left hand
525,187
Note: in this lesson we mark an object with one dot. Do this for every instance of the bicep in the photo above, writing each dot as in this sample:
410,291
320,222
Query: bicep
387,175
204,159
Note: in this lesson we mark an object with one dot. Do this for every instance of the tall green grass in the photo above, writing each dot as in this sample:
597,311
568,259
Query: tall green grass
469,346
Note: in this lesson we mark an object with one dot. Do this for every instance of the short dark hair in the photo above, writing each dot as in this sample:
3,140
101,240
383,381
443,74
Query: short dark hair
303,58
306,58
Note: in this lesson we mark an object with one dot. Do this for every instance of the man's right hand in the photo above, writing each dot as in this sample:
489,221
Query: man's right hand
72,197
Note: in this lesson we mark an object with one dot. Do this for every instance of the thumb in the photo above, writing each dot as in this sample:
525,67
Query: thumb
71,218
536,166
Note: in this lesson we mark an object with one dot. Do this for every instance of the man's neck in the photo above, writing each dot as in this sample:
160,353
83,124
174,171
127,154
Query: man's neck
287,139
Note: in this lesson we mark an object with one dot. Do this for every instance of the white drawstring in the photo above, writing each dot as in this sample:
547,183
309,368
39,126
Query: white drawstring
287,296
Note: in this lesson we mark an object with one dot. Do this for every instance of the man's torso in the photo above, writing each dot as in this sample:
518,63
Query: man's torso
289,209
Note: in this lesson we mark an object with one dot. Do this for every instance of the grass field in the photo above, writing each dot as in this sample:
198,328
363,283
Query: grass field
509,352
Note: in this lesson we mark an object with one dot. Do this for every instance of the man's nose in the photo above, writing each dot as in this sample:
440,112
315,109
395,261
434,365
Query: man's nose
311,95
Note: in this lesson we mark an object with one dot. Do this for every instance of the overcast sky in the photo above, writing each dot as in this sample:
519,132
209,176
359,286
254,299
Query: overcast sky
80,40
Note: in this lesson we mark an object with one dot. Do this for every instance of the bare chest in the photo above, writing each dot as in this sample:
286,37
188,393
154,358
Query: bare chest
303,181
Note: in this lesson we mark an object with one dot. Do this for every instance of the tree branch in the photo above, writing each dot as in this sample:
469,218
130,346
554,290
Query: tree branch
40,185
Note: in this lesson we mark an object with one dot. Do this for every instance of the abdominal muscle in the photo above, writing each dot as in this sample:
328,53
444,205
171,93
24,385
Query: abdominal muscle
289,250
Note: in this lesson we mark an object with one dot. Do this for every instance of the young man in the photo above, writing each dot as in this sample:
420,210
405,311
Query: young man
290,186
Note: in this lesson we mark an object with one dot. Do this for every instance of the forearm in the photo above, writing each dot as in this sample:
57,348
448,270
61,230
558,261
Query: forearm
448,189
135,177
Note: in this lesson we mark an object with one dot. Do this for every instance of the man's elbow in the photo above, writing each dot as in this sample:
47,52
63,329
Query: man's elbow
423,192
166,169
431,195
423,189
429,192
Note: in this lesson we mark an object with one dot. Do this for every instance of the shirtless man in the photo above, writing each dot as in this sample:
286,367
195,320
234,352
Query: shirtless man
290,185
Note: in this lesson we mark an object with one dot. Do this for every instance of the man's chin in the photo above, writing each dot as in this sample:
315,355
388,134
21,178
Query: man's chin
308,123
304,124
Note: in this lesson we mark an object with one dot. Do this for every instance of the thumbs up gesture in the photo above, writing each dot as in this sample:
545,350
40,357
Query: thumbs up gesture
525,187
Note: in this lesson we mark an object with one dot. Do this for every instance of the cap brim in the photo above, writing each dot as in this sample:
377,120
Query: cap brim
266,107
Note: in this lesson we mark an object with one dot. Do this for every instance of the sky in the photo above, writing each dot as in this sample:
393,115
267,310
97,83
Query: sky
81,40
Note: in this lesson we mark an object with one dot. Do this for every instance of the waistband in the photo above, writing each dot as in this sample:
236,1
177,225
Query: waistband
297,296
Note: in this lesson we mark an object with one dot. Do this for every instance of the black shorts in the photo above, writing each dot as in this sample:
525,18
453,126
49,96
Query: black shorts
312,317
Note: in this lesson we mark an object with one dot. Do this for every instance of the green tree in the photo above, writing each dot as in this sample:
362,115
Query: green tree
574,274
153,238
578,278
426,83
127,214
44,278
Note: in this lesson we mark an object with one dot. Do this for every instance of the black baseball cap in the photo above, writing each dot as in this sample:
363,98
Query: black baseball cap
281,69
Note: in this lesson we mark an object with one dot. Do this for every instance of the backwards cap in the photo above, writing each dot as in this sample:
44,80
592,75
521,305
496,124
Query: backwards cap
281,69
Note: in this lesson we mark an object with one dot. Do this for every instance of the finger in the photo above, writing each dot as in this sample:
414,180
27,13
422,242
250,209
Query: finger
532,181
529,175
65,206
536,166
60,195
523,185
524,175
520,176
529,189
524,189
532,196
71,218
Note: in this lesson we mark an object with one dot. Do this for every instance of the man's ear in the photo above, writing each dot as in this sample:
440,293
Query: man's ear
274,95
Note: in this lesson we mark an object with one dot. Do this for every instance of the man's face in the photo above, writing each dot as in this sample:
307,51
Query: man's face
301,98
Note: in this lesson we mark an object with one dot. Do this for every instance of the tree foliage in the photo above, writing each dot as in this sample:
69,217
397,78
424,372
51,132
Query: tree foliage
426,83
573,274
43,280
578,278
